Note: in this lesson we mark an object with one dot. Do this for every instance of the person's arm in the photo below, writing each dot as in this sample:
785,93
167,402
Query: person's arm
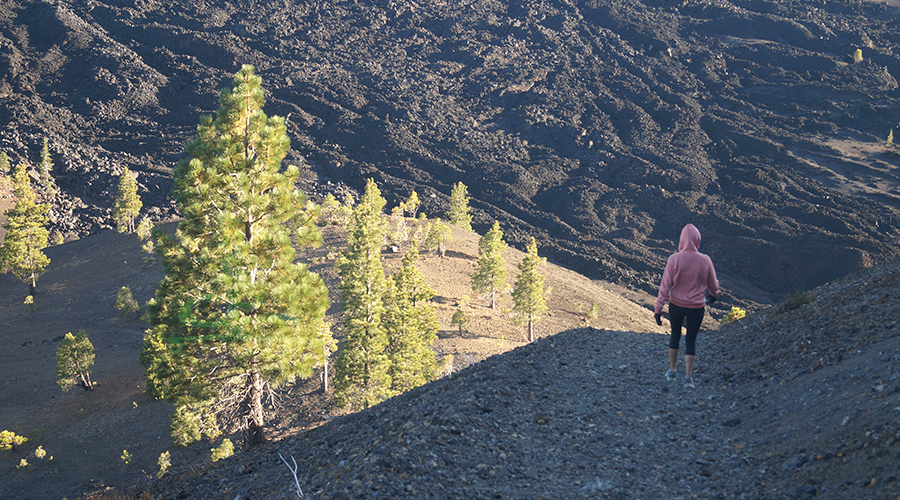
712,282
664,286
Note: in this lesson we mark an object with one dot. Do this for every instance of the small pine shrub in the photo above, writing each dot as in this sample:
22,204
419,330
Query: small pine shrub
857,56
890,137
22,464
164,463
126,305
9,440
594,311
735,314
126,457
797,300
224,450
39,453
29,301
459,318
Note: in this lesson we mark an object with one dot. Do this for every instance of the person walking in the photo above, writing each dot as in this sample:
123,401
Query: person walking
688,276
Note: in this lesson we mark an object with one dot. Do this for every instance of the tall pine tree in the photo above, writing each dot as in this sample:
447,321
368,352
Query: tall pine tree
412,326
128,204
528,292
490,268
459,215
22,252
234,313
361,369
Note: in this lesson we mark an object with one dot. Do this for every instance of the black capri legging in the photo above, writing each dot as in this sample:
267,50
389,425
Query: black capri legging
677,316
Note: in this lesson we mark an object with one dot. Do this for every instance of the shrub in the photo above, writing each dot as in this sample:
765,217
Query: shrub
857,56
797,300
164,463
74,361
224,450
735,314
459,318
126,457
125,304
40,453
9,440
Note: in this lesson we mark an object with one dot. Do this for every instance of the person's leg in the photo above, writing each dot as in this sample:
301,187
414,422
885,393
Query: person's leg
693,320
676,319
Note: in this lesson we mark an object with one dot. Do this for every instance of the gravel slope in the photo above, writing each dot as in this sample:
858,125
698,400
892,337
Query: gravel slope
587,414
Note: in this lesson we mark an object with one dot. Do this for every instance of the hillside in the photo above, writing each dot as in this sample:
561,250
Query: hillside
799,401
86,432
599,127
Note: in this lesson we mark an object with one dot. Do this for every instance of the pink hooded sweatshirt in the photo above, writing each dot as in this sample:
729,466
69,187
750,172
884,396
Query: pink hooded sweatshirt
688,274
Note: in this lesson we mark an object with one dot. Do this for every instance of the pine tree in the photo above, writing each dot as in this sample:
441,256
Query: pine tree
438,237
234,312
490,269
74,361
4,163
459,214
128,204
26,237
412,326
361,369
528,292
411,205
45,167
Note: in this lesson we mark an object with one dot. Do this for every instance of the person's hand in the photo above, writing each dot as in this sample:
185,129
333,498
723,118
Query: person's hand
658,318
710,300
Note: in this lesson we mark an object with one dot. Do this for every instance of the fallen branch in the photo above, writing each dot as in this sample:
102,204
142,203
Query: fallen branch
293,473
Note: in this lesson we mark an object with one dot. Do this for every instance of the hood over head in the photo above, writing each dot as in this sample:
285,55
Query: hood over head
690,238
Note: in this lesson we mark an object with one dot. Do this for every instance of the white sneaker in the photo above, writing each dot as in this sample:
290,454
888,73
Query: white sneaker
670,375
689,383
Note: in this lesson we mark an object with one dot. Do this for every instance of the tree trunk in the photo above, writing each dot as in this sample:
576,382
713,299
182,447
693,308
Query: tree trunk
86,380
254,411
32,285
530,331
325,377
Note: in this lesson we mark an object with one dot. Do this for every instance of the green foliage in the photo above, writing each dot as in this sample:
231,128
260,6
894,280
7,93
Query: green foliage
29,301
40,453
10,440
224,450
26,237
74,361
126,457
411,205
528,292
361,369
857,56
126,305
22,464
234,313
164,462
128,204
4,163
459,318
735,314
437,237
594,311
890,137
795,301
459,215
490,268
144,231
399,229
334,212
412,325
